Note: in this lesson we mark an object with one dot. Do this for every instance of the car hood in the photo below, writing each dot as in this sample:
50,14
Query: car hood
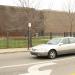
44,46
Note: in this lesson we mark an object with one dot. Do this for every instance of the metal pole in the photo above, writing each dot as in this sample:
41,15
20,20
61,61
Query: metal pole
7,39
64,34
28,38
50,35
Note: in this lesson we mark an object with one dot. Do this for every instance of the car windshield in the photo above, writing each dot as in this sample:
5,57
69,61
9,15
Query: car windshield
54,41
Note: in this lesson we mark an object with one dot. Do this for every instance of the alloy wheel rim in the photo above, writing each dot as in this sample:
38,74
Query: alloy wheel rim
52,55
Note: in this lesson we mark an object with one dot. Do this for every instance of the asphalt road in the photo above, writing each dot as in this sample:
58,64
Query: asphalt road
24,64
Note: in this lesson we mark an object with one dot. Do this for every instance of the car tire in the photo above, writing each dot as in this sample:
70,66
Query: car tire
52,54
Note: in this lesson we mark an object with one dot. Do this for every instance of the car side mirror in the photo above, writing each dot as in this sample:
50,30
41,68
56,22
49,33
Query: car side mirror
60,44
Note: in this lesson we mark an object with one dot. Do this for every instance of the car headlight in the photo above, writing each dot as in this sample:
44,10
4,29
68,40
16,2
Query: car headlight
34,49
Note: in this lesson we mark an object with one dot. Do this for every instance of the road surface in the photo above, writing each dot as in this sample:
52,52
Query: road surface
23,63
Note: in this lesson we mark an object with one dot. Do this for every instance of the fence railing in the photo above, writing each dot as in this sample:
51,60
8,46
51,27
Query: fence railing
21,41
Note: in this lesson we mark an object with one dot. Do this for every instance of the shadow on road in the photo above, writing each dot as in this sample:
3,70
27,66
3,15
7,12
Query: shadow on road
66,55
58,57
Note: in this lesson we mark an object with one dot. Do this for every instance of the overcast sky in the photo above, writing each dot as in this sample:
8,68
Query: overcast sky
45,4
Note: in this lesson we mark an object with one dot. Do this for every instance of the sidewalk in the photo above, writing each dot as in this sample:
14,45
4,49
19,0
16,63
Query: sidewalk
13,50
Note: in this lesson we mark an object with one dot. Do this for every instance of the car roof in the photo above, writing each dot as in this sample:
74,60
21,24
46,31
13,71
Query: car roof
68,37
65,37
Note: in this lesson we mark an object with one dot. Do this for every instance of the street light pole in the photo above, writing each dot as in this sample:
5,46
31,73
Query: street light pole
29,36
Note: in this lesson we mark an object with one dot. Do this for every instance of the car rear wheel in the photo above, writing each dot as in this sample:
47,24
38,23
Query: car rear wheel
52,54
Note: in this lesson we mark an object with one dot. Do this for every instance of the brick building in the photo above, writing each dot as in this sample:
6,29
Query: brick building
15,20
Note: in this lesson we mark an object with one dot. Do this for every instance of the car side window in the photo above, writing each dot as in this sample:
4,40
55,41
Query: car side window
72,40
65,41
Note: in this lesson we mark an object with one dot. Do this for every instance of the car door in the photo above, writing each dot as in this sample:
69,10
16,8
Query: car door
72,45
64,47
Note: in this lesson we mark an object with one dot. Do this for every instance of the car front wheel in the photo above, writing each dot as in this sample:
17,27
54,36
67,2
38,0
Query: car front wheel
52,54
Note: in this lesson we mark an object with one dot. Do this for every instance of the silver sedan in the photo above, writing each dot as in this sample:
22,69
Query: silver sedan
55,47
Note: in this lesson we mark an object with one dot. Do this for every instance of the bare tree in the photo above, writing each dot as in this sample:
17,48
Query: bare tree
51,3
70,11
29,4
32,15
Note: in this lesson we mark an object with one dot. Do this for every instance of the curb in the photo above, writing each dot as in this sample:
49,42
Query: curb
13,52
4,51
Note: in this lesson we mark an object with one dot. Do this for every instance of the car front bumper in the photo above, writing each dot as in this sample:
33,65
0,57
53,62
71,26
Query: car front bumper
39,53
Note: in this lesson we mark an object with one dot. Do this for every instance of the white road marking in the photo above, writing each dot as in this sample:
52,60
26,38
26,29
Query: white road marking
34,70
47,72
36,67
20,65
